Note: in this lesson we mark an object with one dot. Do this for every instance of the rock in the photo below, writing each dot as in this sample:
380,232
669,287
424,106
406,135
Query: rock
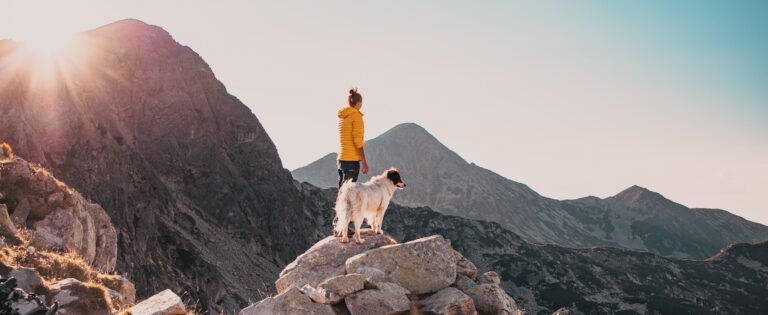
387,298
163,303
28,279
562,311
464,266
76,297
20,214
448,301
56,197
124,289
463,282
7,228
490,277
333,290
326,259
421,266
491,299
292,301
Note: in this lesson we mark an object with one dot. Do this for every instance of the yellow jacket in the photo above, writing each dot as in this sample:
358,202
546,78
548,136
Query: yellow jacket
351,130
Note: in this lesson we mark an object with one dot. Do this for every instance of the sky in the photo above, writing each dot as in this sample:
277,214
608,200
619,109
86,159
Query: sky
573,98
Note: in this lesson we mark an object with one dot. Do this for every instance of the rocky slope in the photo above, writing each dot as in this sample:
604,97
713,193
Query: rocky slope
191,181
597,280
636,218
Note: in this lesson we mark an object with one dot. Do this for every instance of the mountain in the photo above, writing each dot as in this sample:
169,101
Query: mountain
596,280
635,218
191,181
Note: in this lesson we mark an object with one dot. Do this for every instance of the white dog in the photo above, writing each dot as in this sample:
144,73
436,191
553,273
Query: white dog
368,201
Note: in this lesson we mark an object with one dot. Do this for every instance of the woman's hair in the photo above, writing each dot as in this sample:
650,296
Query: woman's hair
354,97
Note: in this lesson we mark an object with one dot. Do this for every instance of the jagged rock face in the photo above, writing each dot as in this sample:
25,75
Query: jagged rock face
637,218
189,177
56,217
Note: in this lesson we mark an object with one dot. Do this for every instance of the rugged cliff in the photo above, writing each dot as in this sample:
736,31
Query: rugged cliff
139,124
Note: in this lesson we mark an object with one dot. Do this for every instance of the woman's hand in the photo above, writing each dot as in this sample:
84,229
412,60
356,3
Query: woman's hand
365,167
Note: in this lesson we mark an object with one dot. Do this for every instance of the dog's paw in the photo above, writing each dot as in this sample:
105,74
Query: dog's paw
345,240
360,241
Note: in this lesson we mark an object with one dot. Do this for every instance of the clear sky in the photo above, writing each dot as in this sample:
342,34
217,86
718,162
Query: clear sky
571,98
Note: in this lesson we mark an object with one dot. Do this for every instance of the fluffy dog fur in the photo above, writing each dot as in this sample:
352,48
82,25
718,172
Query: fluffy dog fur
369,201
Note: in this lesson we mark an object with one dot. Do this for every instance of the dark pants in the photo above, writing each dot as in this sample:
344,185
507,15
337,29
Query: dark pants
348,170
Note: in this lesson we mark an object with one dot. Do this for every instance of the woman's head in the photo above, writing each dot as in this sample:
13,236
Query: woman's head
355,99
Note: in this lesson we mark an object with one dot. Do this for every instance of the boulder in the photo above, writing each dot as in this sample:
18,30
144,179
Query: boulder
76,297
387,298
421,266
334,290
20,214
122,290
492,300
28,279
448,301
292,301
326,259
7,228
163,303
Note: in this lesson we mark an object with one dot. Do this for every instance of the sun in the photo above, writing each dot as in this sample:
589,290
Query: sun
49,45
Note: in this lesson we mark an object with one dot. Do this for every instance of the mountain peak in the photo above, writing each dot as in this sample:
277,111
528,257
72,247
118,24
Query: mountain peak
408,128
635,194
133,27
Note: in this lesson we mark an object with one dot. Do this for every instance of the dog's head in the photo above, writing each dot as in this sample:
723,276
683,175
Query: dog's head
394,176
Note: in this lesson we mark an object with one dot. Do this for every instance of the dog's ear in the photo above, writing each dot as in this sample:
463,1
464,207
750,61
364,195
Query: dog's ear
394,176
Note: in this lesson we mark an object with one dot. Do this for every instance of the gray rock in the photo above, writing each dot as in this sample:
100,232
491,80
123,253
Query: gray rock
333,290
421,266
387,298
7,228
28,279
163,303
491,299
448,301
20,214
292,301
464,266
489,277
325,260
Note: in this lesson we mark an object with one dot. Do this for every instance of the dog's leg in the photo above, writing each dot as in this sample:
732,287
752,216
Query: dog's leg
344,233
380,219
357,218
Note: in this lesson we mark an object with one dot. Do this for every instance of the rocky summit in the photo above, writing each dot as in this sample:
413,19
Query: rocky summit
424,276
636,218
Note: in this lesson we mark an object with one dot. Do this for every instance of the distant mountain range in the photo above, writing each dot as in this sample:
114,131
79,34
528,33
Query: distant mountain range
636,218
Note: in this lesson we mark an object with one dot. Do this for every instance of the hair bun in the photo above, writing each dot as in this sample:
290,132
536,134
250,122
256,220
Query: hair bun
353,91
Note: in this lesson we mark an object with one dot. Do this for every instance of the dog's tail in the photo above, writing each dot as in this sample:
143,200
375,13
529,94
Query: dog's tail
343,204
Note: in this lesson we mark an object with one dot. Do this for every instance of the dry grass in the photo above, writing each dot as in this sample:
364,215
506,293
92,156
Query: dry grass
54,266
7,150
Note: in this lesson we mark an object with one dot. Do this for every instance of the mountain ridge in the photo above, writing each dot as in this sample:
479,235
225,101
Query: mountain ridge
635,218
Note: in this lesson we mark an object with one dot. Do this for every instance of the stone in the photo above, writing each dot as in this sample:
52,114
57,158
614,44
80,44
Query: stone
491,299
292,301
20,214
421,266
387,298
56,197
7,228
163,303
448,301
28,279
464,266
463,282
76,297
490,277
326,259
122,287
333,290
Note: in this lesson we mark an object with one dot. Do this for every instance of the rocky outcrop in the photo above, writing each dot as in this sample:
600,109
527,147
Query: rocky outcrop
379,278
636,218
55,216
76,297
325,260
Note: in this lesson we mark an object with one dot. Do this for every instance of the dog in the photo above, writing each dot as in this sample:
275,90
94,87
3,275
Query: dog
369,201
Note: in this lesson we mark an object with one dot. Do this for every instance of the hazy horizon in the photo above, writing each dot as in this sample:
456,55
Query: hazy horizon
570,99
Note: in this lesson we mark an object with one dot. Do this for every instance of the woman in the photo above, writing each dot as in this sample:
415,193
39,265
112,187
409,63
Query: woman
351,131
